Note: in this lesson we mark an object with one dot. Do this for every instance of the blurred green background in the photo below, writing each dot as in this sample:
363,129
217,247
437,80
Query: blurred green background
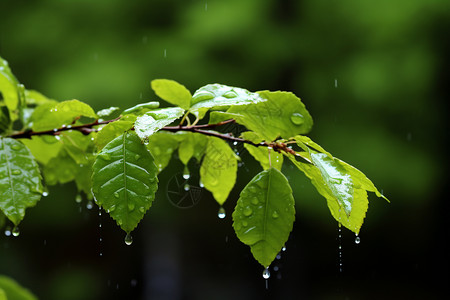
373,75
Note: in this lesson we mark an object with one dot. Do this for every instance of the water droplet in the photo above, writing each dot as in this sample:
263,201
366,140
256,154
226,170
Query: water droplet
8,231
357,239
275,214
116,194
16,172
297,119
266,273
335,83
128,239
15,147
142,209
187,187
202,96
284,248
112,208
248,211
137,156
244,223
131,206
90,204
16,231
254,201
200,183
186,173
230,94
78,198
105,156
45,193
221,214
278,256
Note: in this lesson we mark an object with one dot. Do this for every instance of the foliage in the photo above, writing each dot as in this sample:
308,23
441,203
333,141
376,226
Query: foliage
11,290
68,141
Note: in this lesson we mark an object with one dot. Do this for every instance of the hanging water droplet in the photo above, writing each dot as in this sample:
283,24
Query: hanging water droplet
45,194
266,273
221,214
235,143
78,198
200,183
16,231
283,249
8,231
187,187
248,211
186,173
128,239
90,204
357,239
297,119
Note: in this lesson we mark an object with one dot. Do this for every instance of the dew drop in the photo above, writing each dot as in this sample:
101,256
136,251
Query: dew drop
186,173
137,156
244,223
266,273
128,239
230,94
16,231
297,119
357,240
116,194
248,211
131,206
221,213
142,209
275,214
16,172
105,156
254,201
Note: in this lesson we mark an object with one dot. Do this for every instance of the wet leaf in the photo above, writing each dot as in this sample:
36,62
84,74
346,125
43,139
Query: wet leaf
261,154
10,89
112,130
154,120
218,96
173,92
60,169
281,115
41,149
218,169
124,180
20,182
265,214
142,108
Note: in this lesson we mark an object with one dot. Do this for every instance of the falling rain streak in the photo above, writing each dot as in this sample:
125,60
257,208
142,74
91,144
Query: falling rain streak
340,248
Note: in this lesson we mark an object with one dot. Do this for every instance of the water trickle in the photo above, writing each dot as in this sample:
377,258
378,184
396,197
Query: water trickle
16,231
221,213
248,211
357,240
186,173
297,119
266,273
128,239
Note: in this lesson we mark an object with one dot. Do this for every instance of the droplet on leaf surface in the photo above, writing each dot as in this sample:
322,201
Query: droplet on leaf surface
297,119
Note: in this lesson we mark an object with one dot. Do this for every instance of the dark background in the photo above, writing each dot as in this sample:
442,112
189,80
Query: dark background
373,75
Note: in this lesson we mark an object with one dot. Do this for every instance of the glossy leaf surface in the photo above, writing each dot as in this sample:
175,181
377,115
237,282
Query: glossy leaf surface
15,291
218,169
215,96
141,108
154,120
173,92
282,115
20,181
124,180
112,130
9,88
264,215
162,145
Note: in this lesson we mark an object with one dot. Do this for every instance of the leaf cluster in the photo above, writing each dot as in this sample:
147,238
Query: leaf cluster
116,160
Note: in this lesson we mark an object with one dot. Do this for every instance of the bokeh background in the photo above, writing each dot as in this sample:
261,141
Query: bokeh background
373,75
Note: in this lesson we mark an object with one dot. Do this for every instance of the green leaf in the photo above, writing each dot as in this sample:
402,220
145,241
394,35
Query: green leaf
261,154
10,89
41,149
173,92
282,115
14,291
265,214
48,116
76,145
124,180
216,96
112,130
60,169
218,169
162,145
154,120
20,182
5,121
306,144
108,112
141,108
3,295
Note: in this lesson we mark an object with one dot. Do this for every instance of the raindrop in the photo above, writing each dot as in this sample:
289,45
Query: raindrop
297,119
90,204
142,209
165,53
187,187
357,239
15,147
16,231
283,249
78,198
200,183
112,208
221,213
128,239
266,273
254,201
248,211
130,206
116,194
278,256
235,143
186,173
8,231
45,194
275,215
335,83
230,94
137,156
16,172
